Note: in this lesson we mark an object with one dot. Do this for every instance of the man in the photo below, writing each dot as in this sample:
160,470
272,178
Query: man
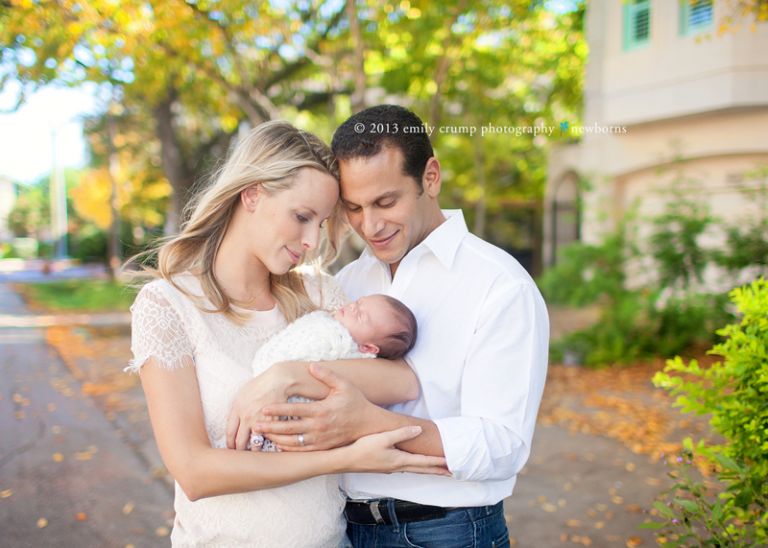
481,354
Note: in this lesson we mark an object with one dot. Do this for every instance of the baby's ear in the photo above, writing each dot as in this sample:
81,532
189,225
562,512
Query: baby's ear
368,348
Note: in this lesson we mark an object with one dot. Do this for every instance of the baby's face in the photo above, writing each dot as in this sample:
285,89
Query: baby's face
368,319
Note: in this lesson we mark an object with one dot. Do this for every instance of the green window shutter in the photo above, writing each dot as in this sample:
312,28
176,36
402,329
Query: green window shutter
637,23
685,7
695,15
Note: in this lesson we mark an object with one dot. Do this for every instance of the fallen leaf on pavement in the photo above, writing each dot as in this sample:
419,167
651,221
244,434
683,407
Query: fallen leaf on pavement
41,523
6,493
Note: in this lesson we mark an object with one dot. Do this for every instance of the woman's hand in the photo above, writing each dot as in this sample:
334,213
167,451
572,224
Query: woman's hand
269,387
377,453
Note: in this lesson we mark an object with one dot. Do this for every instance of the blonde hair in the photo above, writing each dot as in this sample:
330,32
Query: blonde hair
271,155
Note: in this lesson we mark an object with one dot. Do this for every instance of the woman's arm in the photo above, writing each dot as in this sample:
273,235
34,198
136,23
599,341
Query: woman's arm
175,410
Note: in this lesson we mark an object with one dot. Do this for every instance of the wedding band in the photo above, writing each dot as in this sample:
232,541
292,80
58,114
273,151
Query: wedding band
300,439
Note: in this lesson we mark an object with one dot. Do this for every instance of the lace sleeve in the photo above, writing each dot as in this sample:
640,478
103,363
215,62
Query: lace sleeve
157,331
324,291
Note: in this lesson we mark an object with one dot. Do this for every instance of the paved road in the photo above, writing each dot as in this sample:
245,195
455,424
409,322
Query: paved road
67,477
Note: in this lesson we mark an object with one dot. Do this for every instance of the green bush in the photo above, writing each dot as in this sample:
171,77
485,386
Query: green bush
619,336
586,273
686,322
734,394
7,251
638,324
89,245
675,242
746,246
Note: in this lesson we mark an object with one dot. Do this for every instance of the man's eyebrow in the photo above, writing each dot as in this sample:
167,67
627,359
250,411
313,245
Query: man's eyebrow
390,194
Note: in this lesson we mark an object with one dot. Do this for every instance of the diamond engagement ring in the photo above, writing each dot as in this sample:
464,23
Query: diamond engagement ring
300,439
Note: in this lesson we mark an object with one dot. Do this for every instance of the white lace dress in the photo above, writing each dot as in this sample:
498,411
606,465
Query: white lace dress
168,326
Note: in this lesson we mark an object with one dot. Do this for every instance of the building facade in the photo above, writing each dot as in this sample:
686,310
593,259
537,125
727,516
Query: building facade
671,103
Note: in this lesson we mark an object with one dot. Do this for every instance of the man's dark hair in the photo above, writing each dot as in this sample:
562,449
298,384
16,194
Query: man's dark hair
397,344
364,134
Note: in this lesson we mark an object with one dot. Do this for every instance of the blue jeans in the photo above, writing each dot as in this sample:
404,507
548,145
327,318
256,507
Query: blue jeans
470,527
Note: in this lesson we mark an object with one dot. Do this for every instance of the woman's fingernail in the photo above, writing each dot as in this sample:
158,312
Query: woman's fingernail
415,430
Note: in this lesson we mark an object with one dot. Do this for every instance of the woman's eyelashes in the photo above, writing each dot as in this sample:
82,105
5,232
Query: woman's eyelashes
304,219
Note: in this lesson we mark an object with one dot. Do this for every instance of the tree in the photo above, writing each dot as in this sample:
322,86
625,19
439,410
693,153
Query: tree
198,69
195,71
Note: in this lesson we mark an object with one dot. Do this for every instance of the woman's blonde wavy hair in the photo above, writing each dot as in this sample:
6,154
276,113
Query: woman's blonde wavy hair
270,155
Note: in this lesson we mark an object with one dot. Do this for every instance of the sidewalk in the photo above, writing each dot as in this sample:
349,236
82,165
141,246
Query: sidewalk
43,270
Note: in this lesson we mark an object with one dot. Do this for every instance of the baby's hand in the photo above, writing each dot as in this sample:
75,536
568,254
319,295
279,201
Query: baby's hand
255,442
258,442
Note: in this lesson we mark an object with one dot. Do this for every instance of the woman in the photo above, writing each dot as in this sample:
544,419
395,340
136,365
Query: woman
225,285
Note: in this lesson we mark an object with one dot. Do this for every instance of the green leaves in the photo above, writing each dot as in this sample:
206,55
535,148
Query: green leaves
190,73
733,393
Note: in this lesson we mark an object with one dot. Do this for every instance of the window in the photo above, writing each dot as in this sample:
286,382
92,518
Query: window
695,16
637,23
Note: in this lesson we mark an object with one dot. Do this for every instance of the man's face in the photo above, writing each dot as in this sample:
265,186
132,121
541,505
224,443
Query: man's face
385,206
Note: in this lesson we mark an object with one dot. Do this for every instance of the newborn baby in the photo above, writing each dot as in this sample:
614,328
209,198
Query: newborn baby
373,326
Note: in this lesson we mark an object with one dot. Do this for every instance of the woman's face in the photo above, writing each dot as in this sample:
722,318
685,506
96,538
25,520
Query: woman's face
284,225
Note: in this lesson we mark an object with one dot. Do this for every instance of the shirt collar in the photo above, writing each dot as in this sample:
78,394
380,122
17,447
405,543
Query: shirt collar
443,241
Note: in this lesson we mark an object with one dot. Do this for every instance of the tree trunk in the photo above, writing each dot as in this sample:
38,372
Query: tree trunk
358,96
441,70
113,247
174,164
480,206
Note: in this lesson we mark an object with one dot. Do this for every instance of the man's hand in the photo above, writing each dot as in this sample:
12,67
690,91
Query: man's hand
246,408
337,420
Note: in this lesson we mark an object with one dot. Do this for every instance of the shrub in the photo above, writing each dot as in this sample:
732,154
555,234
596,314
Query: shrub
638,324
90,244
675,242
745,247
733,393
586,273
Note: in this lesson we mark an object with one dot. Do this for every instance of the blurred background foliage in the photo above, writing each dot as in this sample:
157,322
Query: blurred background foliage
179,79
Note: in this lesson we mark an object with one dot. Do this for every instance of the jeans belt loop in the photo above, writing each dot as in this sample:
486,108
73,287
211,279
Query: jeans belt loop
375,512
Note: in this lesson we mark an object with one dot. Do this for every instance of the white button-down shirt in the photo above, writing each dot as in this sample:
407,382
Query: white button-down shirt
480,355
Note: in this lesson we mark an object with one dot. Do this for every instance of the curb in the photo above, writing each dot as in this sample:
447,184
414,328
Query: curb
109,319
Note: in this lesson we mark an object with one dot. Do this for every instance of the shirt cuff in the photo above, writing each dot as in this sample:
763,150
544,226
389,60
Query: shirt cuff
465,447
